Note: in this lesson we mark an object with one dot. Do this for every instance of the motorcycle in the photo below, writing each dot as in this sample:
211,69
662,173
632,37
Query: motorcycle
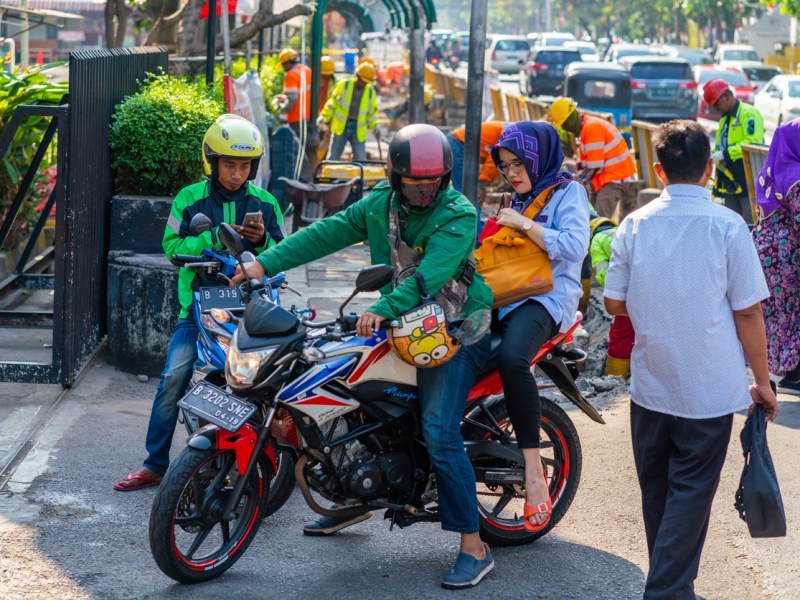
215,307
348,406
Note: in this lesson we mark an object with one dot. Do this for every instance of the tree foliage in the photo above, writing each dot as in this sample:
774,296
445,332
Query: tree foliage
787,7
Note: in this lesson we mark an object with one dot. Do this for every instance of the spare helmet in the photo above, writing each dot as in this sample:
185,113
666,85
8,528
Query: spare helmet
421,336
232,136
419,151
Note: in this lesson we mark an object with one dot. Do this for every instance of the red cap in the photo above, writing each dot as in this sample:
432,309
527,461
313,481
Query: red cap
713,90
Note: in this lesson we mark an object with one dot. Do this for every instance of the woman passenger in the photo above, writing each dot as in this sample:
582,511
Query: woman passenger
529,155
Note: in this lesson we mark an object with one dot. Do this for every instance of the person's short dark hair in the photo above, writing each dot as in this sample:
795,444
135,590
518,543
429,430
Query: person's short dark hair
683,149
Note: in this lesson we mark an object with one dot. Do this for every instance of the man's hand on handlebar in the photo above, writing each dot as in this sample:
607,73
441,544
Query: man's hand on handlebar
254,271
367,323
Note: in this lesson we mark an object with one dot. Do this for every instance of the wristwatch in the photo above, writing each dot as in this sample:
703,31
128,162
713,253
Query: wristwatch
527,225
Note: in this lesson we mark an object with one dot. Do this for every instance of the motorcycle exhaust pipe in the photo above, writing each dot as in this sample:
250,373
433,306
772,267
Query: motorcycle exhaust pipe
345,511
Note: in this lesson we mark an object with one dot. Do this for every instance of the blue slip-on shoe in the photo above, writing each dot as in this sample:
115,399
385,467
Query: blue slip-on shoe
330,525
468,571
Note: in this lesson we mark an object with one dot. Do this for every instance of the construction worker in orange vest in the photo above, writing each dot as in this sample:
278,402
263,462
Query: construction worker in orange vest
296,97
604,157
490,133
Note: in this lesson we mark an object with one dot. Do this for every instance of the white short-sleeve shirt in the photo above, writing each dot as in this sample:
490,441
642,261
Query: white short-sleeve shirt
683,264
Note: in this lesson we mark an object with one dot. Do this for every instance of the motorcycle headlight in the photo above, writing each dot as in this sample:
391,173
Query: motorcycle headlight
241,368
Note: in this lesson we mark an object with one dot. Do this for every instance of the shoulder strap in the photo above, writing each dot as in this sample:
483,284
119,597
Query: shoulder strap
535,207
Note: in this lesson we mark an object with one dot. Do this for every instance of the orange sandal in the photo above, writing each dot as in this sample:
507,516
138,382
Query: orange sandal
532,511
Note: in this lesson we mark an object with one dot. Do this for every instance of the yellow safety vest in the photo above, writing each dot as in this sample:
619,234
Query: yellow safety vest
338,106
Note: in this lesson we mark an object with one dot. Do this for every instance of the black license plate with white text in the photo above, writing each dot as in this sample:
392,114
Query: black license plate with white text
221,298
217,406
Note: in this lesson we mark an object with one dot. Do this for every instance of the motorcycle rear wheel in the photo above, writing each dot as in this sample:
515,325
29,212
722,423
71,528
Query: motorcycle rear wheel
189,538
501,506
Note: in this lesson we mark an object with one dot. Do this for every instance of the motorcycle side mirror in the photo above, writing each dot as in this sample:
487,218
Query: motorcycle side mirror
200,223
230,239
373,278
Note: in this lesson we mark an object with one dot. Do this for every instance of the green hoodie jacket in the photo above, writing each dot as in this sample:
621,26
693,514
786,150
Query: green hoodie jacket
445,233
196,198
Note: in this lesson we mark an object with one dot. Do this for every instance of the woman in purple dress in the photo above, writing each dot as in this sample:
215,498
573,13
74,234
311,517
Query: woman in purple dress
777,238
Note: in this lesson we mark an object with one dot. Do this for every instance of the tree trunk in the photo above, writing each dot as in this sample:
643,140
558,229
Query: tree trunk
116,17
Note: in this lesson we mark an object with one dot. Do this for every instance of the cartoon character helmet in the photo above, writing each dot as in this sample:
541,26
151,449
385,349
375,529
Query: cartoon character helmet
421,336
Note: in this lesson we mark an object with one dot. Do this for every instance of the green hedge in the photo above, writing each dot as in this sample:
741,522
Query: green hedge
156,135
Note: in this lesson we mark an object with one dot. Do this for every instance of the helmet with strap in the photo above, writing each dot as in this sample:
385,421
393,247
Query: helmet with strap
232,136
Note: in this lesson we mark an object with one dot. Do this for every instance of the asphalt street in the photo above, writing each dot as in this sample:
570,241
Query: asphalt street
65,533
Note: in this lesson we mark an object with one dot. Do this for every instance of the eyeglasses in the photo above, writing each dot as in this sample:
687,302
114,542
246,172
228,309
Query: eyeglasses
514,165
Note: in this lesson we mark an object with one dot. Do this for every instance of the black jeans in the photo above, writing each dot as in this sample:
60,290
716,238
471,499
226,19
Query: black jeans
678,461
525,330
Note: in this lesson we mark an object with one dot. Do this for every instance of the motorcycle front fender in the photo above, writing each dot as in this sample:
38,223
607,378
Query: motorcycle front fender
555,368
242,442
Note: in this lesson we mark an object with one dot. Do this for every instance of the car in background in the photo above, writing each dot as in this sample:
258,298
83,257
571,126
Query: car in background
738,82
440,36
731,55
779,100
506,53
694,56
662,88
758,73
542,72
552,38
618,51
587,49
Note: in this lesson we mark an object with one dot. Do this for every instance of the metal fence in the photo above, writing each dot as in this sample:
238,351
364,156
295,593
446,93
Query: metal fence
98,80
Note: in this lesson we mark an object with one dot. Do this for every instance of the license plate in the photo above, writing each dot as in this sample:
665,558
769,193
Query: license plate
662,93
222,298
217,406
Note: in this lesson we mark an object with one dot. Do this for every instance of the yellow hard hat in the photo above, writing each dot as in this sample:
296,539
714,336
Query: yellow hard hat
561,109
366,71
598,222
327,66
367,59
232,136
286,55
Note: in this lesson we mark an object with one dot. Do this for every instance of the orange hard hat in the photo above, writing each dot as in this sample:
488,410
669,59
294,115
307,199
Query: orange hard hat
713,90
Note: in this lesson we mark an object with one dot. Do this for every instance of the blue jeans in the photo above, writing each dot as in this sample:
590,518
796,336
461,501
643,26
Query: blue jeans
443,393
348,135
457,174
175,379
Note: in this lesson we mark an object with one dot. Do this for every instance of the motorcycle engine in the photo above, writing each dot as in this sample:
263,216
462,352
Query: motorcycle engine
371,475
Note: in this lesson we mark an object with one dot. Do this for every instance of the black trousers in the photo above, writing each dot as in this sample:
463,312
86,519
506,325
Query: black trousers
525,330
678,461
741,205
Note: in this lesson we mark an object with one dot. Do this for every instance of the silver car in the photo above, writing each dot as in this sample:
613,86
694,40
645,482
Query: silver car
506,53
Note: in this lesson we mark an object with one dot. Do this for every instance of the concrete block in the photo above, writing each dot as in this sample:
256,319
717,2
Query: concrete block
646,195
142,311
138,222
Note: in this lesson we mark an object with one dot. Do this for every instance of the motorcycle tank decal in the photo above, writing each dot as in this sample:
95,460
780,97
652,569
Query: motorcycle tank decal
384,364
324,406
316,376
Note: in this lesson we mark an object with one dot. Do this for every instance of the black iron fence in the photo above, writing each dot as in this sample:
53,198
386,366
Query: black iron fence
98,80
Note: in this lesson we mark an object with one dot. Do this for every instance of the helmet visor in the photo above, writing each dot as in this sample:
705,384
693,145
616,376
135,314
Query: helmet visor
473,328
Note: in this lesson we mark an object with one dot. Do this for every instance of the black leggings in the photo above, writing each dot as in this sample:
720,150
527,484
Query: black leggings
525,330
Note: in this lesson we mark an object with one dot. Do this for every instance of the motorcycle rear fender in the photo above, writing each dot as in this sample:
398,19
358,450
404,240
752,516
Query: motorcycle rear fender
241,442
554,367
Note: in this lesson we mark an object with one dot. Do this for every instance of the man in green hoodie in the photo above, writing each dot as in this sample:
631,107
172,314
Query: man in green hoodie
436,224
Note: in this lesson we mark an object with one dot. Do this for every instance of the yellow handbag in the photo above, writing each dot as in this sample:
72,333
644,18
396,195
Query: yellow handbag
512,265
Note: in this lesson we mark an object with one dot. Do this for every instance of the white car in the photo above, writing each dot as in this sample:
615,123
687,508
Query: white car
587,49
552,38
779,100
506,53
732,55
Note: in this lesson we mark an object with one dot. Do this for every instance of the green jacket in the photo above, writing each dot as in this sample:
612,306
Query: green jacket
445,233
196,198
745,126
600,251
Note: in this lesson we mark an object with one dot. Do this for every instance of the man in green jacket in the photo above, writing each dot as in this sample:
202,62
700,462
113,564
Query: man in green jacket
232,149
740,124
439,224
350,111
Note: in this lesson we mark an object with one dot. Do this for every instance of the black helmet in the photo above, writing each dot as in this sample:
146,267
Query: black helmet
420,152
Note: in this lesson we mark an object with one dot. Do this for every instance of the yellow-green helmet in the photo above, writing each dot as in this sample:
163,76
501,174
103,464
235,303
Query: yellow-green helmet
232,136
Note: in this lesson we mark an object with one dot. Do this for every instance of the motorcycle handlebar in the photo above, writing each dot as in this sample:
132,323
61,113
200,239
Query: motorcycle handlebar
180,259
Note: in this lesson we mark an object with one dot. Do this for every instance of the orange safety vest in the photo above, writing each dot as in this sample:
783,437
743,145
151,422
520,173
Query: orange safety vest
299,76
602,147
490,134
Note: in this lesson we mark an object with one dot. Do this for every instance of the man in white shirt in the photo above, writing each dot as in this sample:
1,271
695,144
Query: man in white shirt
686,272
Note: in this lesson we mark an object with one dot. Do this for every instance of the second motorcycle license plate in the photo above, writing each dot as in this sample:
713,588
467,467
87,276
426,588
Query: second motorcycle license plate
217,406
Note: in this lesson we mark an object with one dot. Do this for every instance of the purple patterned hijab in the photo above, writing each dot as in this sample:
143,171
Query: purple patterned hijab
781,170
538,146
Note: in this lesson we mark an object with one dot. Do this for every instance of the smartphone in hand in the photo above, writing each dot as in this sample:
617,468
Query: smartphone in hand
252,218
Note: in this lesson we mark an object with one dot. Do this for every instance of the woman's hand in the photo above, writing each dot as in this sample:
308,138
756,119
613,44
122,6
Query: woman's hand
508,217
367,323
254,271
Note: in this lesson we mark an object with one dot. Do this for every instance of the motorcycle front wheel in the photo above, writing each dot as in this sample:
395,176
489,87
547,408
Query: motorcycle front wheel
501,506
190,538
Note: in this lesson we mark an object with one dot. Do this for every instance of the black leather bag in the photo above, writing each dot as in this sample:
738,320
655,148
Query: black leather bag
758,498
